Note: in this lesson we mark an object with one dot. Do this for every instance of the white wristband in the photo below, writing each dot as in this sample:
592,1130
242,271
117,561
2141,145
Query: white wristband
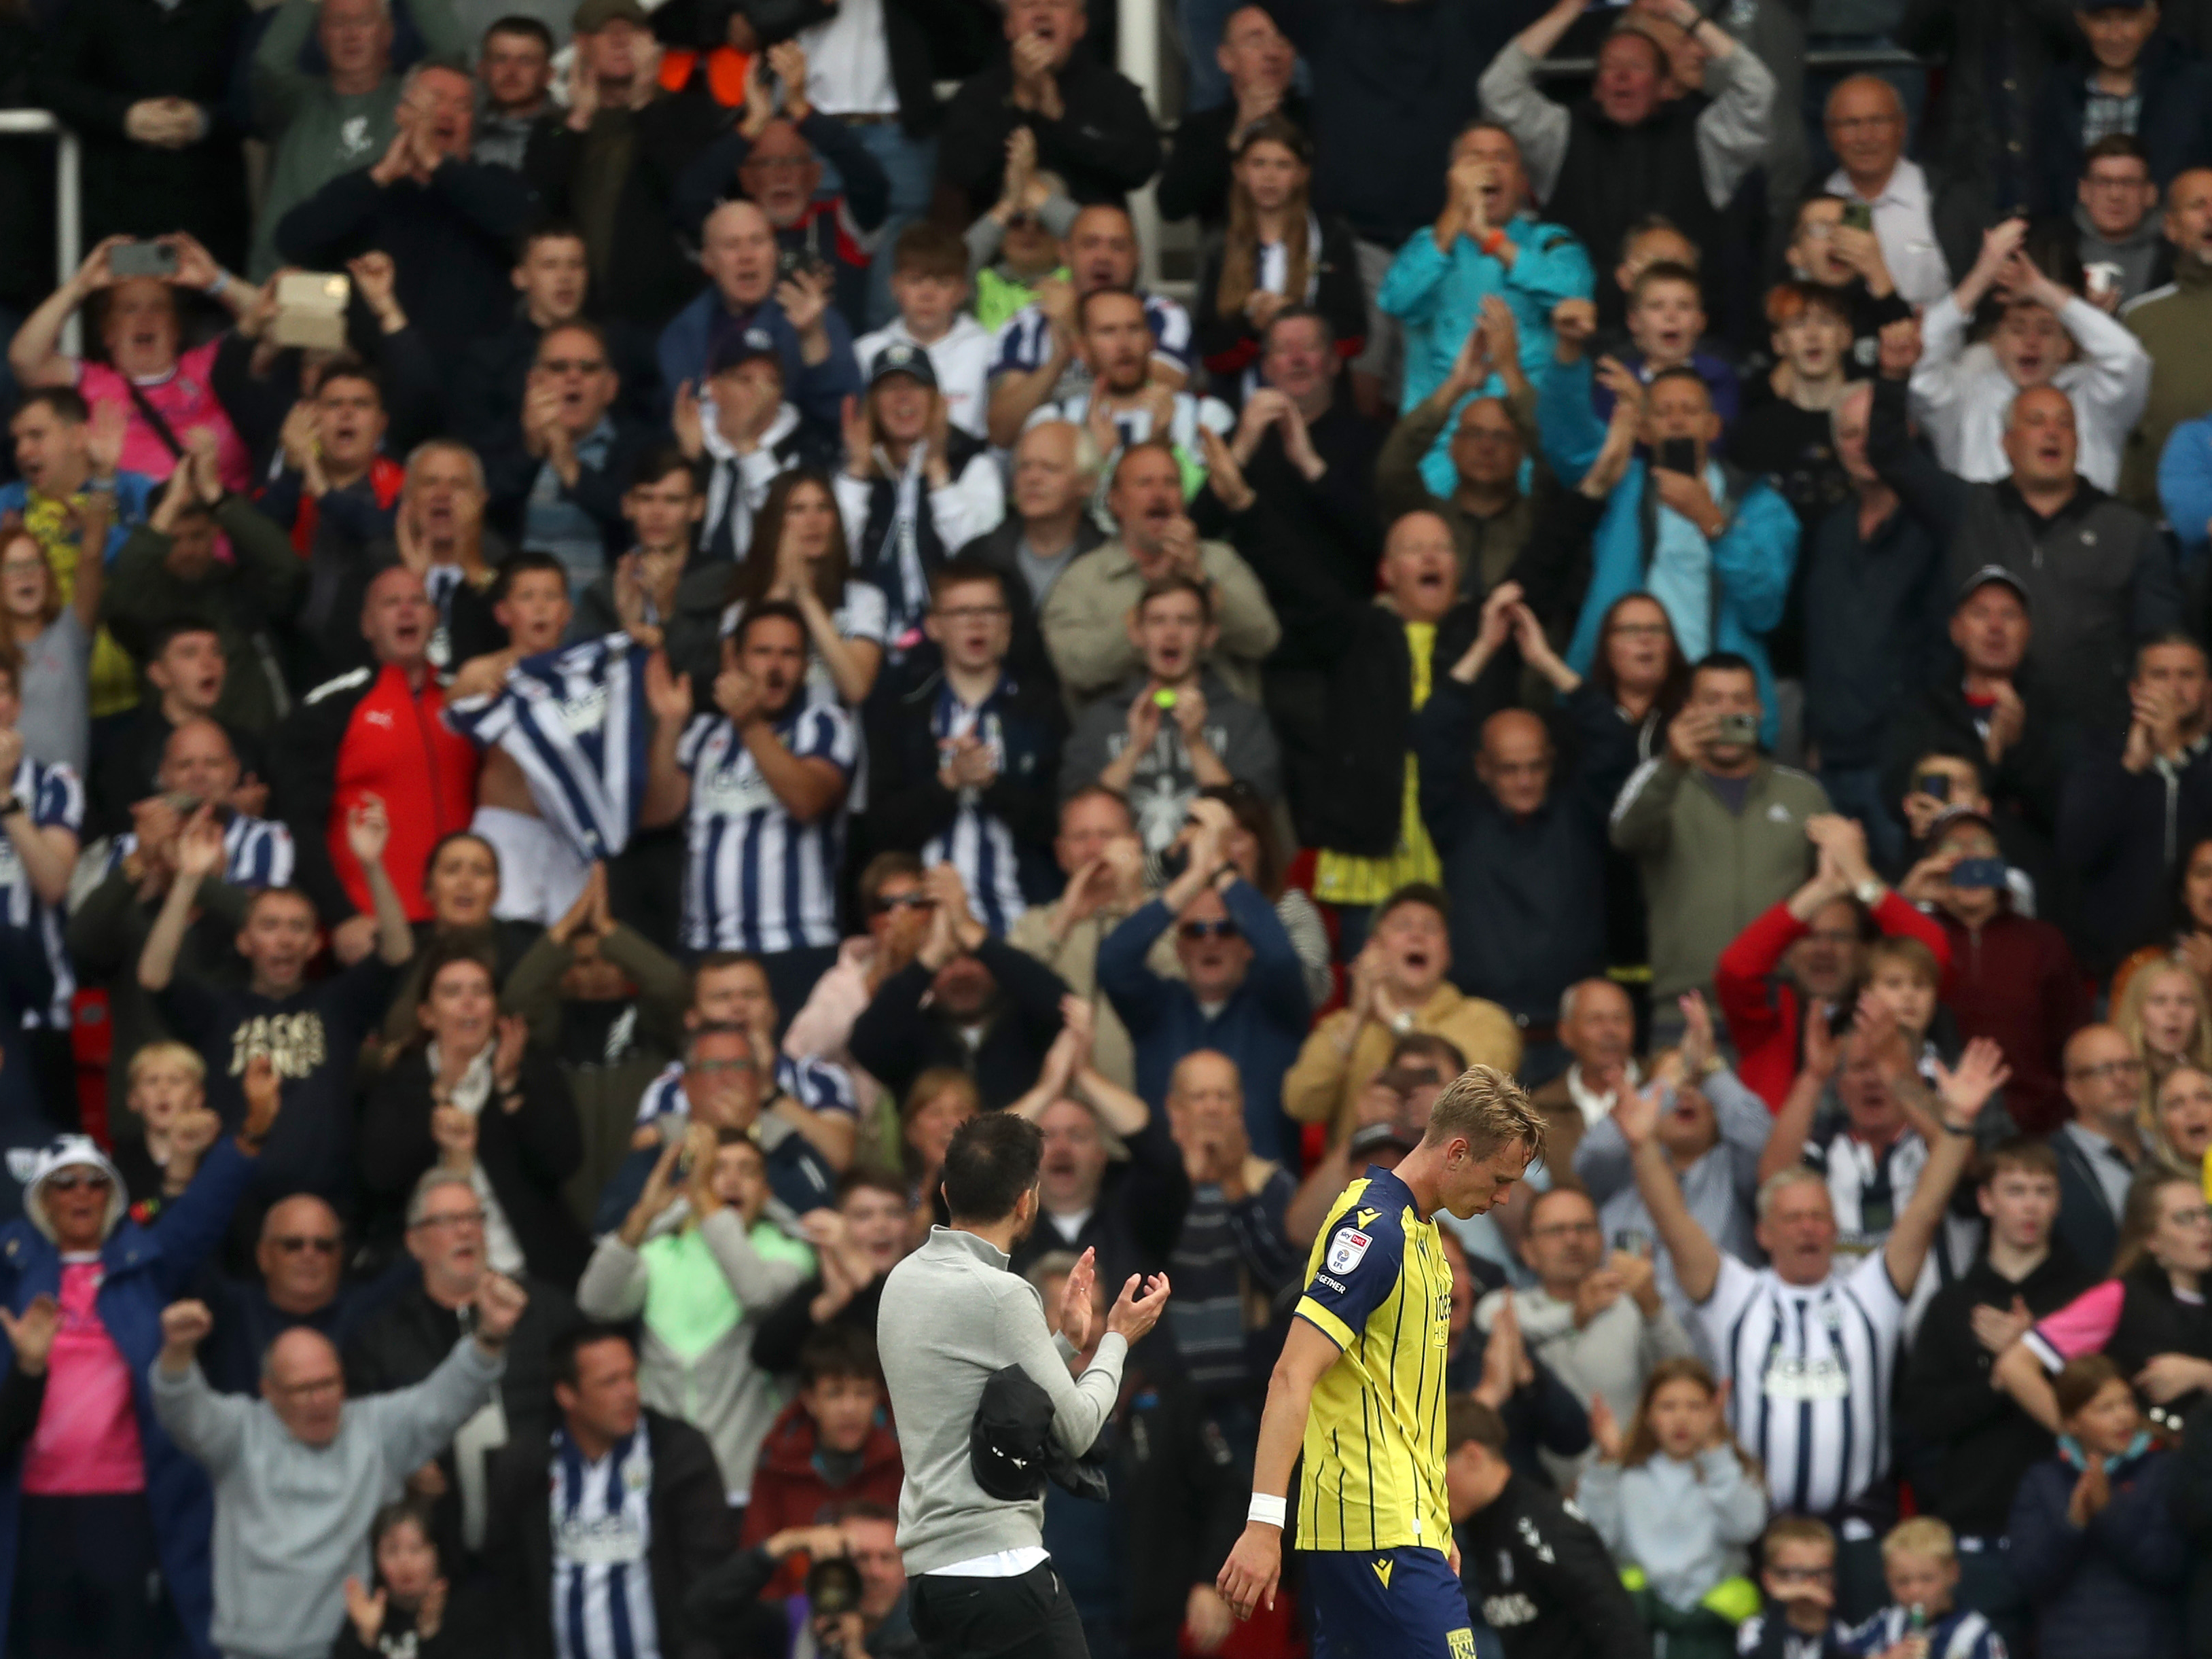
1275,1511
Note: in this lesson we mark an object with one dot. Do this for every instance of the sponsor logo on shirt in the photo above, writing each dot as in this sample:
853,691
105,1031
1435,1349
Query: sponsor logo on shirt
1347,1250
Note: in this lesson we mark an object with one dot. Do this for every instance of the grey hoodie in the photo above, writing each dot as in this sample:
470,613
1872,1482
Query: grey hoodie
951,1316
291,1520
1162,784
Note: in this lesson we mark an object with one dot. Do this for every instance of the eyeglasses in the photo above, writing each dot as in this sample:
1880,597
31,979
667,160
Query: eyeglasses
457,1218
2107,1072
1223,929
1565,1230
974,613
69,1180
293,1243
2200,1216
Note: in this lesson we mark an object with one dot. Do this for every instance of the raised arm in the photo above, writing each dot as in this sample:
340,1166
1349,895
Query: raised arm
1511,97
1963,1093
1696,1258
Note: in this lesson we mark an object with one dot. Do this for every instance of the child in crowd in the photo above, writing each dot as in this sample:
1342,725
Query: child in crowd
2094,1537
1797,1572
166,1092
404,1616
2044,333
1903,977
832,1444
929,281
1677,1501
1920,1563
1016,246
1665,321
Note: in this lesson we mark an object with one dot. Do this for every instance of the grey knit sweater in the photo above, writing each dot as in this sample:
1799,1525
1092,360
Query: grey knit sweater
952,1315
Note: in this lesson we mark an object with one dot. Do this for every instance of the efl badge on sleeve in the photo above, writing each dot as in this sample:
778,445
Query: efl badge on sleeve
1346,1249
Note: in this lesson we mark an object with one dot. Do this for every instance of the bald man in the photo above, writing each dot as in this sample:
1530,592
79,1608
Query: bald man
1523,858
300,1472
1866,128
1597,1029
739,251
2100,1147
299,1283
2096,575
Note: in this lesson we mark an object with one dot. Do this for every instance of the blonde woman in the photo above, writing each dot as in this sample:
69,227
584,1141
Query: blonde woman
2163,1014
2177,1122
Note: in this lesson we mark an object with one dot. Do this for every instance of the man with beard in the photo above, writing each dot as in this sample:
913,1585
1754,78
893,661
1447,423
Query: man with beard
763,776
967,1000
953,1316
1125,403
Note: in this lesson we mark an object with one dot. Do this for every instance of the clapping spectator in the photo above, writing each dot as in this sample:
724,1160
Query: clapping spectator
1174,728
1712,1130
1128,1207
408,1599
1091,125
51,644
168,574
472,1095
2162,768
967,1001
1678,1502
854,1246
895,911
1802,959
929,281
914,489
1085,618
1243,992
966,758
1594,1315
702,1225
557,478
2093,1534
1097,850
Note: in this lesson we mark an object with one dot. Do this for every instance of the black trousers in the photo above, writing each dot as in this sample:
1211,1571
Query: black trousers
87,1583
1030,1617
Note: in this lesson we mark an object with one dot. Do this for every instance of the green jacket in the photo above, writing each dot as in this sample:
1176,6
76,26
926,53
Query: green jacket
2174,323
1708,871
314,135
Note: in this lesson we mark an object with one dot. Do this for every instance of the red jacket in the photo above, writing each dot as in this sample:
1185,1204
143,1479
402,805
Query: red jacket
1762,1007
790,1490
2016,982
367,733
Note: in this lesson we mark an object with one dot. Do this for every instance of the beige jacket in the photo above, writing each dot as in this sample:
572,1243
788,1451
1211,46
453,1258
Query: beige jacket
1085,619
1075,959
1324,1085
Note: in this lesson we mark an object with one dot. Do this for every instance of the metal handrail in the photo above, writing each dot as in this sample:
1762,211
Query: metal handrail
69,205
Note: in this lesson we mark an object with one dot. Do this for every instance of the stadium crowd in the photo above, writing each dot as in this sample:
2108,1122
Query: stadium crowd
615,621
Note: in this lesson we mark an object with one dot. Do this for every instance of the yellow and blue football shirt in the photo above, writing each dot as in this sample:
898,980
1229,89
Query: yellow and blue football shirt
1377,1285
